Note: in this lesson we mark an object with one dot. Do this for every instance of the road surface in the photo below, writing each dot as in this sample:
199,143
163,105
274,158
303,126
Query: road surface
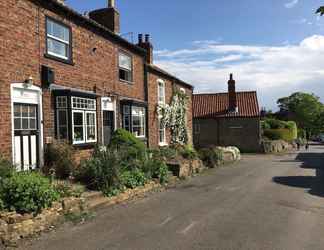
263,202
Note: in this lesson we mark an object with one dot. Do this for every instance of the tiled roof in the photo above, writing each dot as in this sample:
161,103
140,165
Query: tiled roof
216,105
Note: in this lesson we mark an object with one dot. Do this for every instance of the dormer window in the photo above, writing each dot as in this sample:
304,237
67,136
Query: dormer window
125,67
58,40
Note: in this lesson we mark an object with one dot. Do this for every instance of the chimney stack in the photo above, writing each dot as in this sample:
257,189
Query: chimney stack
147,45
232,102
108,17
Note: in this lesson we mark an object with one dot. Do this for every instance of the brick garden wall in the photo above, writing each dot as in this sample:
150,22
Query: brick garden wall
243,133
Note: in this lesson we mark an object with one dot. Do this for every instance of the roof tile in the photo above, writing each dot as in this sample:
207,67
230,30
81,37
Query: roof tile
216,105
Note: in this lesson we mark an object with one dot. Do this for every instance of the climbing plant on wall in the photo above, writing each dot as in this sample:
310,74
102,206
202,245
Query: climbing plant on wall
173,116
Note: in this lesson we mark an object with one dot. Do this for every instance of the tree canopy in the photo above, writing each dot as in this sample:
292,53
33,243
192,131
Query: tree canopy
320,10
306,109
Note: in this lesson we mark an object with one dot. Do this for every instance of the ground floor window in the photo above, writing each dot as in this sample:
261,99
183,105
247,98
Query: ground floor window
82,116
162,136
134,120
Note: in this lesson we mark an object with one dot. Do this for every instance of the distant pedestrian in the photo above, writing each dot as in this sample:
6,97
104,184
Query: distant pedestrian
307,146
298,145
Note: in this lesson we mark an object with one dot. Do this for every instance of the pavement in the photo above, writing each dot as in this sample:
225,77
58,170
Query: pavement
263,202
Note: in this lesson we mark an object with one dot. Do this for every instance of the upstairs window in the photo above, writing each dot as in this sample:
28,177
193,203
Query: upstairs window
125,67
58,40
161,92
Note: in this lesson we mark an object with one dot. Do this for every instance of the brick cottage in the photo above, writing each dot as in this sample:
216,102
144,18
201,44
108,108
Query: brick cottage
64,75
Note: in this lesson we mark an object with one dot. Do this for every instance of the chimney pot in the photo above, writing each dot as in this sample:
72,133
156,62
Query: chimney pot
140,38
111,3
147,38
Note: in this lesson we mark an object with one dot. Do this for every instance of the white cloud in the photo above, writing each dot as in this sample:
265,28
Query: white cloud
291,4
274,71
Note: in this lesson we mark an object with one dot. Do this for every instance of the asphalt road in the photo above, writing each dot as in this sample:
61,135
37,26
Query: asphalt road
263,202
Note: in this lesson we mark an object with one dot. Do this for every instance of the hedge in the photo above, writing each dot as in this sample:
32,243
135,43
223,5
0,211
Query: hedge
281,134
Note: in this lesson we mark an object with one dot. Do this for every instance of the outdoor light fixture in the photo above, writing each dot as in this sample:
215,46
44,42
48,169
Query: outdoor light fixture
29,82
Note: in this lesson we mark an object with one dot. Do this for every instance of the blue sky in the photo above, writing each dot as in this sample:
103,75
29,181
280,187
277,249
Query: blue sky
272,46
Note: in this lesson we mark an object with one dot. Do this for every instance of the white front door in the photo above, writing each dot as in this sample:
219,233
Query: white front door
27,148
26,136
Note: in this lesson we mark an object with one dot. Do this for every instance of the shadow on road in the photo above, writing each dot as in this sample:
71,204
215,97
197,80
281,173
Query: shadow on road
314,184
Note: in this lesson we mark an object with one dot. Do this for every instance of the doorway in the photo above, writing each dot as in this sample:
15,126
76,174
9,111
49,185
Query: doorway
108,126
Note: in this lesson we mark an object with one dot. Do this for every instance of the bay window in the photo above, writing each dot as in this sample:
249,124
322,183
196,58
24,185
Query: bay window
82,113
134,120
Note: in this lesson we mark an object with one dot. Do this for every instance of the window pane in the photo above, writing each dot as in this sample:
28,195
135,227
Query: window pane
57,48
91,119
32,111
25,123
17,111
17,123
24,110
62,119
125,61
91,133
78,134
58,31
62,133
32,123
78,119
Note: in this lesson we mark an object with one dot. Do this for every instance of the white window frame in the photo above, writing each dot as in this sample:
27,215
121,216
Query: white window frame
161,83
57,39
142,121
126,69
83,127
86,126
164,142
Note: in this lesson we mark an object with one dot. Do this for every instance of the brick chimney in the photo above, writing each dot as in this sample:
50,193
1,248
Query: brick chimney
232,102
147,45
108,17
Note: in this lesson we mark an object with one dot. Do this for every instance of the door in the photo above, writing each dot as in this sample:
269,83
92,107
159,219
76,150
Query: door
26,136
108,126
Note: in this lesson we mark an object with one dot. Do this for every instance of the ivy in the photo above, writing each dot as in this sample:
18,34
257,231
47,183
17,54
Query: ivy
173,116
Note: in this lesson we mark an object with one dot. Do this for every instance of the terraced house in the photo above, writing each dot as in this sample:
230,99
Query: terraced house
64,75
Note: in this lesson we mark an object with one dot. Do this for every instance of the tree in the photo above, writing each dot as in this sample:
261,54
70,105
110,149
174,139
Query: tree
305,109
320,10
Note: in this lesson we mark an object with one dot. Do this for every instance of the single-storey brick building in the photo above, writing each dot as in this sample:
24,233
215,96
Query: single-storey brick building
227,119
69,76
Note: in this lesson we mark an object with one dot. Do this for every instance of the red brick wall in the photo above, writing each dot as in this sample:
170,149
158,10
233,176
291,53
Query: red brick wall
22,48
152,106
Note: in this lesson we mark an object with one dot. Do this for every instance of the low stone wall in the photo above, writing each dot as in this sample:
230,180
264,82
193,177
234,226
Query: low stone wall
230,154
15,226
277,146
185,168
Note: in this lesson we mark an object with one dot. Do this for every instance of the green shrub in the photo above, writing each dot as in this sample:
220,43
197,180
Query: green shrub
2,205
161,172
27,192
133,179
124,140
6,168
67,190
58,157
102,171
167,153
188,152
280,134
211,157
